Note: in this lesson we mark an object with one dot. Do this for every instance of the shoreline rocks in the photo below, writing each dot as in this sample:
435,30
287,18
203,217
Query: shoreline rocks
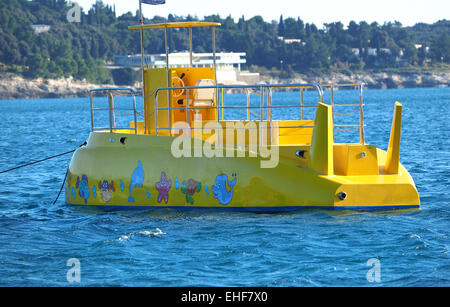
17,87
380,80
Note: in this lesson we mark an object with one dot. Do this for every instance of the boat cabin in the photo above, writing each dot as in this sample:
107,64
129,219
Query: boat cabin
192,94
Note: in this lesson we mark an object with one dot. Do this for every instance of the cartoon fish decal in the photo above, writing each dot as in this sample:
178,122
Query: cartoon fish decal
220,191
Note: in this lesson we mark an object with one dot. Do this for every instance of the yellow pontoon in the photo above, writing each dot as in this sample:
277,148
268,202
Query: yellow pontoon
186,154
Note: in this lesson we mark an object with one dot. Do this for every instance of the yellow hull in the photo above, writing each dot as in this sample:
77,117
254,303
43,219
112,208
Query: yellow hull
119,169
142,173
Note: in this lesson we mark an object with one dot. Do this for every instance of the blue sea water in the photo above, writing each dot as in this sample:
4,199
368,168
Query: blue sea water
206,248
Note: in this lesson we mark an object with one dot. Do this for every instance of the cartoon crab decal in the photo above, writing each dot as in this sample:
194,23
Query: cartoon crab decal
106,189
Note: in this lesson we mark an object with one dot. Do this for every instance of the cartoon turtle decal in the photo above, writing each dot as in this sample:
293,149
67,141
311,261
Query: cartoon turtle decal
83,187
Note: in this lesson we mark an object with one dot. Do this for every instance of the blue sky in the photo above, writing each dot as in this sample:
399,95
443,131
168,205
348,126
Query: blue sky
408,12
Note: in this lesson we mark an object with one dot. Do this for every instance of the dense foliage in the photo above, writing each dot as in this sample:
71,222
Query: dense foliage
80,49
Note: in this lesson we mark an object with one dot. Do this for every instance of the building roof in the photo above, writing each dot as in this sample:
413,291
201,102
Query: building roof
182,58
186,24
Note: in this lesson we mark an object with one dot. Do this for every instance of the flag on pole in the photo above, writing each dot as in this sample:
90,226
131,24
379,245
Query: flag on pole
154,2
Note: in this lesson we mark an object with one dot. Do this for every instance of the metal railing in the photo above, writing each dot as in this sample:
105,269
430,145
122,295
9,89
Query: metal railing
357,107
264,109
112,109
263,91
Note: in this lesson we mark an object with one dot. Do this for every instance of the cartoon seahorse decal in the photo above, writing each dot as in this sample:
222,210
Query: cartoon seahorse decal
220,191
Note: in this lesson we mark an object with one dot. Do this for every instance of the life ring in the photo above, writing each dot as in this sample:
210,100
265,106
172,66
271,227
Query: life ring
177,82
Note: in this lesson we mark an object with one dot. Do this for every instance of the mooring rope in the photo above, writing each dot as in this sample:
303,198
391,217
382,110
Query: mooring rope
62,186
42,160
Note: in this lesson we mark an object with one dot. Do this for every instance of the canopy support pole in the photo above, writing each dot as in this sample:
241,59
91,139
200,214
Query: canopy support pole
141,19
190,47
166,35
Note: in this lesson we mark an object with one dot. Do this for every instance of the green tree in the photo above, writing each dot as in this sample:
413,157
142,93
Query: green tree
440,49
281,29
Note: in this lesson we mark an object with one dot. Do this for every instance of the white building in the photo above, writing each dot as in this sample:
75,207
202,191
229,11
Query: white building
373,51
228,64
38,29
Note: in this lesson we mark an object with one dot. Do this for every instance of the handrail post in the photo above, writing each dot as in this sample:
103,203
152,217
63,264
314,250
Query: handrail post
156,112
301,103
361,115
218,121
269,103
223,102
112,121
248,103
92,111
269,113
319,91
261,103
332,102
135,115
188,117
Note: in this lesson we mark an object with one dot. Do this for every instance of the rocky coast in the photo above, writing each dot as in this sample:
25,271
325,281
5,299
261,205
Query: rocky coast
16,87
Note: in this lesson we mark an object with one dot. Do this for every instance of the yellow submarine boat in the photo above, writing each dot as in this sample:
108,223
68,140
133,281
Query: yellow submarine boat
185,154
